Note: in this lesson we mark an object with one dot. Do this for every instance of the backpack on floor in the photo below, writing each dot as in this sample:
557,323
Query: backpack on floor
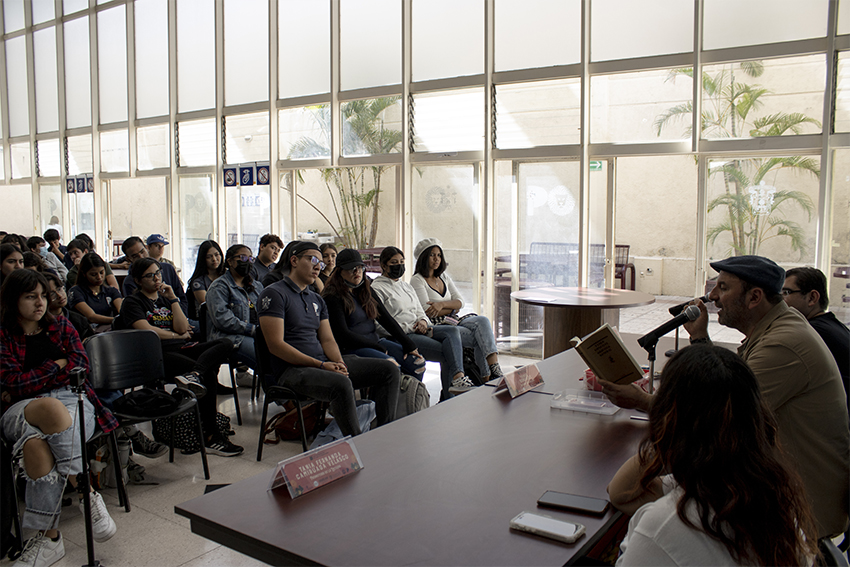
470,367
286,425
186,431
413,396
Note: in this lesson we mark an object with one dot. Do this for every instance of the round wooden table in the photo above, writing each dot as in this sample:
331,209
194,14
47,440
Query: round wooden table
576,311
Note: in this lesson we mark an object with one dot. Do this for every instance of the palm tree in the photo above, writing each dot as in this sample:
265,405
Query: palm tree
355,202
728,111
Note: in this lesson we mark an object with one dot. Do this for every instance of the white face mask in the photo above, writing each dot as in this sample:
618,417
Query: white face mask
43,251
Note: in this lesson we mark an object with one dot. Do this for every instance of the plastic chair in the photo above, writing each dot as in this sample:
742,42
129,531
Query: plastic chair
232,361
127,359
830,554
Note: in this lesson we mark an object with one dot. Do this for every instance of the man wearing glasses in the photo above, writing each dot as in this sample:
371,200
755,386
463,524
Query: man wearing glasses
304,354
134,249
805,290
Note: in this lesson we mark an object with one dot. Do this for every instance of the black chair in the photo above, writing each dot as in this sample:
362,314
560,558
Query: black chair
831,556
127,359
232,361
276,393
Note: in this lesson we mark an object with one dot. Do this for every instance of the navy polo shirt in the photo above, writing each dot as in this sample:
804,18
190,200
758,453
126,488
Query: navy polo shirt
101,303
302,311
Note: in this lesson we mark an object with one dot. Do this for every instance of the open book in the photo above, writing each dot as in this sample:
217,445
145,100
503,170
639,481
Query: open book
604,352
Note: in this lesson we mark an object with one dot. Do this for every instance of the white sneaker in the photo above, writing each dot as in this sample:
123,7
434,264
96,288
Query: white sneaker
102,525
461,385
244,379
41,551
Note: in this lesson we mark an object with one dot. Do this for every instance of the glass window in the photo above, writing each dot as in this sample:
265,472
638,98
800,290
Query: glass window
842,91
50,203
16,77
304,132
729,23
371,126
843,17
197,142
197,216
112,64
21,165
285,195
139,206
246,137
49,158
449,121
2,164
544,113
765,206
16,214
839,268
246,51
248,215
46,97
195,55
151,58
82,213
304,47
42,11
114,151
537,33
77,73
433,56
13,15
71,6
79,155
369,58
773,98
622,29
626,107
152,143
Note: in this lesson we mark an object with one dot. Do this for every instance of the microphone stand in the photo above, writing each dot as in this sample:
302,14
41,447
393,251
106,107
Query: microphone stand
675,348
78,387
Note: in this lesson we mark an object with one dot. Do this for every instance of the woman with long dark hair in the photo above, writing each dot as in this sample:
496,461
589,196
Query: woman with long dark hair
709,485
91,297
232,304
329,254
209,266
353,310
40,412
11,259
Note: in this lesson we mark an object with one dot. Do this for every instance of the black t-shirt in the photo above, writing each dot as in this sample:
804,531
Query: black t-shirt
836,335
201,283
39,349
157,313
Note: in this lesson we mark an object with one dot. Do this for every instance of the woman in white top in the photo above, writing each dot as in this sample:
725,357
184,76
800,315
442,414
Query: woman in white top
440,343
440,298
709,485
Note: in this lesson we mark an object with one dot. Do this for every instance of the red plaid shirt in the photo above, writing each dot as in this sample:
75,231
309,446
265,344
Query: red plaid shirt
21,385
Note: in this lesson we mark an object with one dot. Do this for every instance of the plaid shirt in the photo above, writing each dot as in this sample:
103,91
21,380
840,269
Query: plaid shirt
20,385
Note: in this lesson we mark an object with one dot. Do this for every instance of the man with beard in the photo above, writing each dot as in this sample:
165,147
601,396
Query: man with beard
797,375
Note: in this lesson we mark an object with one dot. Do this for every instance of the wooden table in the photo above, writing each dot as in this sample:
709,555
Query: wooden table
576,311
438,488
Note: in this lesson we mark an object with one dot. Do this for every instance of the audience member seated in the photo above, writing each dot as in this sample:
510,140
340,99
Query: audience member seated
78,248
38,245
439,343
232,304
191,364
120,265
329,253
16,240
710,485
99,303
59,306
441,299
156,244
54,245
37,354
267,255
796,372
33,261
305,357
209,265
352,311
135,249
282,267
805,290
11,259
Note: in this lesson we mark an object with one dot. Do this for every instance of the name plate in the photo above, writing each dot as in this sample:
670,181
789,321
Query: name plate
520,381
314,469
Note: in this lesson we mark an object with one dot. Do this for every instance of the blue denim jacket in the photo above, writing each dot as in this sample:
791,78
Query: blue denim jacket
228,310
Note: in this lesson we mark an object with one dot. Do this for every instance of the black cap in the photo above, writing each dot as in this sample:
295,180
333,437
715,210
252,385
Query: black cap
349,259
756,270
303,246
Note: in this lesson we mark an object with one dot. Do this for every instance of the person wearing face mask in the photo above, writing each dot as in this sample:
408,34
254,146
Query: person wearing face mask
353,310
232,304
439,343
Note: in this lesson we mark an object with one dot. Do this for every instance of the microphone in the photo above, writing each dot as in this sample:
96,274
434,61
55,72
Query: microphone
651,338
676,309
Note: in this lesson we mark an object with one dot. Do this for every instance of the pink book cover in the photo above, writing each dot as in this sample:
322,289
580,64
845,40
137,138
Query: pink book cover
316,468
520,380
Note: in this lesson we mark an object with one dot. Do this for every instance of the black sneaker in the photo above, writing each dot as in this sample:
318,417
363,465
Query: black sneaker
221,446
147,447
192,382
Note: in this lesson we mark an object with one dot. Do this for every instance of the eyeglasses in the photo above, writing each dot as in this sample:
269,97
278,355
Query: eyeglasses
786,292
315,260
244,258
152,275
56,293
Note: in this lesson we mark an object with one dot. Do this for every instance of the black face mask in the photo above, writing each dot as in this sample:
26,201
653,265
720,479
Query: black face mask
396,271
242,268
352,285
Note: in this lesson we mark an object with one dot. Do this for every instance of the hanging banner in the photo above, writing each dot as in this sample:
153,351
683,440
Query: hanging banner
89,183
81,183
247,173
70,185
231,173
262,173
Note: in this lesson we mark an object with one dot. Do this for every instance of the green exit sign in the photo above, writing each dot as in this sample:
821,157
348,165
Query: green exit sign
596,166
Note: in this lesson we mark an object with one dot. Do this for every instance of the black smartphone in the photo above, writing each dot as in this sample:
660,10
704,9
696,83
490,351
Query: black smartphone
553,499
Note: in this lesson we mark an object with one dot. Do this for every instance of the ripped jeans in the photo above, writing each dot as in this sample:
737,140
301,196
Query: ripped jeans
44,495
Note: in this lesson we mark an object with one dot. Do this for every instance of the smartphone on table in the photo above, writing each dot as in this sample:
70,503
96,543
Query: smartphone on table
547,526
573,502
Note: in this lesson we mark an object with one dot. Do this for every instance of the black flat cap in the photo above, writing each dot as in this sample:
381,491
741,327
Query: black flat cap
756,270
